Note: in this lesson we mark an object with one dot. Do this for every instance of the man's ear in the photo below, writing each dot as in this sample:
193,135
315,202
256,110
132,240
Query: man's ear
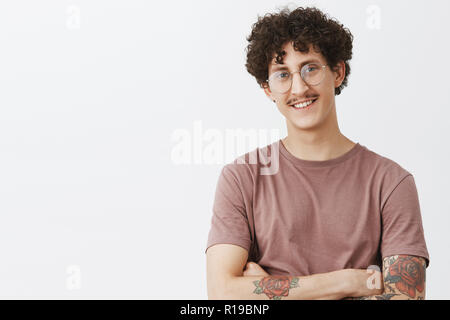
268,93
339,73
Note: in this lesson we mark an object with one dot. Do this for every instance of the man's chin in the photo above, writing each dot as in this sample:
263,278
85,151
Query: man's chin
303,124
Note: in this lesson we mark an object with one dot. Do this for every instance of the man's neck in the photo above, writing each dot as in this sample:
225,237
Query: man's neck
317,145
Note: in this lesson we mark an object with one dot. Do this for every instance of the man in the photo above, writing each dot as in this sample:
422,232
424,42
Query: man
331,208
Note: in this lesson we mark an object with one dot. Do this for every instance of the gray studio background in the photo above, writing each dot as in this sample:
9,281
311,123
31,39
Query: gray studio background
99,197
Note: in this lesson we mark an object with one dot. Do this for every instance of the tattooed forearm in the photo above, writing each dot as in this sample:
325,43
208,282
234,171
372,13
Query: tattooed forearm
404,278
275,287
406,273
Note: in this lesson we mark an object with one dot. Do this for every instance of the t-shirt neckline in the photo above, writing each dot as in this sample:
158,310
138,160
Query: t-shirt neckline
318,163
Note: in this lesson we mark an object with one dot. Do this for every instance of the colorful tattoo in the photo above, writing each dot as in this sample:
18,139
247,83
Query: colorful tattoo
275,287
403,274
407,273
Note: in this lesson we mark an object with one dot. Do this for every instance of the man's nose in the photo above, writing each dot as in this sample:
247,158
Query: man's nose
298,84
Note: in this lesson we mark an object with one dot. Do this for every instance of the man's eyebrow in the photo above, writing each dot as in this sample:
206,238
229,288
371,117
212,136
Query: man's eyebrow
276,67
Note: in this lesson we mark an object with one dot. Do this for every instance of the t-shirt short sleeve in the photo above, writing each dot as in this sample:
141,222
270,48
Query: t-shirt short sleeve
229,223
402,231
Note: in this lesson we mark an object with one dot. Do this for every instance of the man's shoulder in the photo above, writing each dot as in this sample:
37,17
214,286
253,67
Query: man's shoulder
253,162
385,167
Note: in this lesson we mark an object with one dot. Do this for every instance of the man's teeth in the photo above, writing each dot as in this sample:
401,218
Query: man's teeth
304,104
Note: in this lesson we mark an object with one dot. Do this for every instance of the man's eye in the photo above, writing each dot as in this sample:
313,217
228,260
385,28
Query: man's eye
311,68
283,75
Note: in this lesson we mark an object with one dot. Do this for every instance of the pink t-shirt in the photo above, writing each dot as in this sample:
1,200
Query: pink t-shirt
307,217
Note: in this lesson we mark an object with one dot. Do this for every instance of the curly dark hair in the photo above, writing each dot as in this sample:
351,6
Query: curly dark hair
303,26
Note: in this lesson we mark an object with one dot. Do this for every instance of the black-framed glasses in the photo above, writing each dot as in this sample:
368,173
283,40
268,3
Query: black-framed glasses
312,73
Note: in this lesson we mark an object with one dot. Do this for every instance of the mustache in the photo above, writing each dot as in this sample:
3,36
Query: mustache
303,99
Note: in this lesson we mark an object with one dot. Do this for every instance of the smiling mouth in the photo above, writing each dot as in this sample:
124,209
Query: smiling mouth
304,105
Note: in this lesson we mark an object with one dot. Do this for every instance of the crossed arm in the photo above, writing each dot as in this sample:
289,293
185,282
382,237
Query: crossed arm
228,280
403,277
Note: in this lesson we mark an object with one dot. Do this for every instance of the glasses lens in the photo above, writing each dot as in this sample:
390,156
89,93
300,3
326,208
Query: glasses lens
280,81
313,74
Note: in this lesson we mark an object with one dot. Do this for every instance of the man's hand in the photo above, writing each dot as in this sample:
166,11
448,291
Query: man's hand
363,282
